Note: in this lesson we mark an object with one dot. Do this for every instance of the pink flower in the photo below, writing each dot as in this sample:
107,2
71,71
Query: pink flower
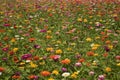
78,64
91,73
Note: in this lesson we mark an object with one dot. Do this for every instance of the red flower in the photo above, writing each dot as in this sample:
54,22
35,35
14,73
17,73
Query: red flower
2,69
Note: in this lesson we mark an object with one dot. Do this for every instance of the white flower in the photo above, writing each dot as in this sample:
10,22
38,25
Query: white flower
92,45
0,73
66,74
22,37
17,36
27,61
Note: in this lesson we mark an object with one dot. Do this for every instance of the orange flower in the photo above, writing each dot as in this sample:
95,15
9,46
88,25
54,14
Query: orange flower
105,54
0,44
48,37
45,73
81,60
50,14
32,39
6,38
108,42
65,61
2,69
2,31
102,33
31,76
15,59
90,53
36,57
15,77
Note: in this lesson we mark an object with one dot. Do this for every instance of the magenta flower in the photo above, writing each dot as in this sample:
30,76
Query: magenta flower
6,25
64,69
43,30
5,49
26,56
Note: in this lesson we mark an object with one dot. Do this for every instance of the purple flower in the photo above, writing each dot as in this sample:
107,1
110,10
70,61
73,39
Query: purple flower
106,48
17,73
26,56
64,69
4,59
77,56
36,46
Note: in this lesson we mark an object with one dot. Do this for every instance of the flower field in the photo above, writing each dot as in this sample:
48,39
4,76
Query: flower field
59,39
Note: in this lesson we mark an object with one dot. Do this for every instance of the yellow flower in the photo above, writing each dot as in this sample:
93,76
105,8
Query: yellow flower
118,64
15,49
101,20
49,32
108,69
90,16
97,37
73,44
21,68
85,20
69,49
79,19
73,76
42,63
90,22
110,46
59,42
49,49
59,51
89,39
94,48
13,40
115,15
55,72
96,54
94,63
32,65
50,79
106,29
22,63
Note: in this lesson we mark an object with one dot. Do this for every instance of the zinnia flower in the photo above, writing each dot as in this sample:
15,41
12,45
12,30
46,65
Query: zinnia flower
26,56
45,73
65,61
101,77
33,77
2,69
66,74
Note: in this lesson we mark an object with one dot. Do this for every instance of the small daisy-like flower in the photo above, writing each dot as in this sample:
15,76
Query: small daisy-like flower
66,74
59,51
55,72
108,69
88,39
